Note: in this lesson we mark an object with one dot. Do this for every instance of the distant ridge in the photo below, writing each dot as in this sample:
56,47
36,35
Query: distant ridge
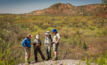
66,9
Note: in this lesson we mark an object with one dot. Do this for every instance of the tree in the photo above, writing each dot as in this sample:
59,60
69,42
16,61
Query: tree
79,42
84,45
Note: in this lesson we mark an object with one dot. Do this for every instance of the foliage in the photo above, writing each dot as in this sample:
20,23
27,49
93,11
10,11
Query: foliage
84,45
10,37
87,62
100,60
102,10
73,31
79,42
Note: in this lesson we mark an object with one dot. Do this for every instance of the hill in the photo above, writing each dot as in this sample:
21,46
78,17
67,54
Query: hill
74,32
66,9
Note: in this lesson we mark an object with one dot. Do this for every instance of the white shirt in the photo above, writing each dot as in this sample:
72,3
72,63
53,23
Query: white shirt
56,38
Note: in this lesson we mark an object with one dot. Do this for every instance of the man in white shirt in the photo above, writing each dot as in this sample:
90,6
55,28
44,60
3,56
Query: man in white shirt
48,43
56,40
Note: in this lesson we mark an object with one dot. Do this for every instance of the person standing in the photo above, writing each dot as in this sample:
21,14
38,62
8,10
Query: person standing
48,43
56,40
37,48
27,44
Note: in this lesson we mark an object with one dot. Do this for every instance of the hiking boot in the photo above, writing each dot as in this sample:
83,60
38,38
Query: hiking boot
44,60
29,61
54,59
50,59
47,59
36,61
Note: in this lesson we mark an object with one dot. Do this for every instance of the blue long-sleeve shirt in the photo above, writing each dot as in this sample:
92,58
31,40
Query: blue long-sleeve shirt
26,43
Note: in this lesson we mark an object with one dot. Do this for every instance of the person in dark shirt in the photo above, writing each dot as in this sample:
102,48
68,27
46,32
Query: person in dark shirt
37,45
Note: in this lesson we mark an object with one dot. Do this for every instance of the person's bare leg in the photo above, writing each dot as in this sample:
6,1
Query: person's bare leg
55,53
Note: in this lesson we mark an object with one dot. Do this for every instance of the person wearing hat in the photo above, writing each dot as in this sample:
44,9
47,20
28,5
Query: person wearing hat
37,45
48,43
27,44
56,40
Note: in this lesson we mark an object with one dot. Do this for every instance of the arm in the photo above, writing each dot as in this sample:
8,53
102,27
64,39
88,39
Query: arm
40,42
51,38
58,36
34,42
23,43
45,40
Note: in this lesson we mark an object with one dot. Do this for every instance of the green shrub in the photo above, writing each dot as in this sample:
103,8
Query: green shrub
2,62
88,61
102,60
84,45
73,42
79,42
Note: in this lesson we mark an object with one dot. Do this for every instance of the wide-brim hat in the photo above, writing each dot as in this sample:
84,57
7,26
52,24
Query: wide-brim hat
29,35
47,33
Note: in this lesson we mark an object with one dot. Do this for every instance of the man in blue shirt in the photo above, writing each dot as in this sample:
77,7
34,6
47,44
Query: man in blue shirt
27,44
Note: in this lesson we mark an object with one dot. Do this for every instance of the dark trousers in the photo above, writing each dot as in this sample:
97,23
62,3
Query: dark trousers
48,51
36,50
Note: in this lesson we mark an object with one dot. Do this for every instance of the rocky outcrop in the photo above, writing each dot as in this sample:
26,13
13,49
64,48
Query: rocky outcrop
66,9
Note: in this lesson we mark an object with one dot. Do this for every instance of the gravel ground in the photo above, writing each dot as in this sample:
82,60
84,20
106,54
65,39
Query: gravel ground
59,62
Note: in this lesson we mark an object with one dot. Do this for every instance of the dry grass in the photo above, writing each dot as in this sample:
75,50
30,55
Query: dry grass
85,28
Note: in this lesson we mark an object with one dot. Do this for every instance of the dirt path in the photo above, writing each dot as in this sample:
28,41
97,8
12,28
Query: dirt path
59,62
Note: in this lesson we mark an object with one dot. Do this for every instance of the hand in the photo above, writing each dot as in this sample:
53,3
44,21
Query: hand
50,43
55,42
45,46
40,47
26,47
34,44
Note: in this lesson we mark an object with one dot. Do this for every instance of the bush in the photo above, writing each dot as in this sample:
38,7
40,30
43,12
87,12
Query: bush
50,29
10,37
45,25
84,45
35,28
102,60
73,30
79,42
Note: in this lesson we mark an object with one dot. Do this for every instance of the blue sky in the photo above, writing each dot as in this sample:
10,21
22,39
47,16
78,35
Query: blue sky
26,6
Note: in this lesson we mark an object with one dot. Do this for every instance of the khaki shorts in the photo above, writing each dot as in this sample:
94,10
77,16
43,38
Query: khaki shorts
27,54
55,46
